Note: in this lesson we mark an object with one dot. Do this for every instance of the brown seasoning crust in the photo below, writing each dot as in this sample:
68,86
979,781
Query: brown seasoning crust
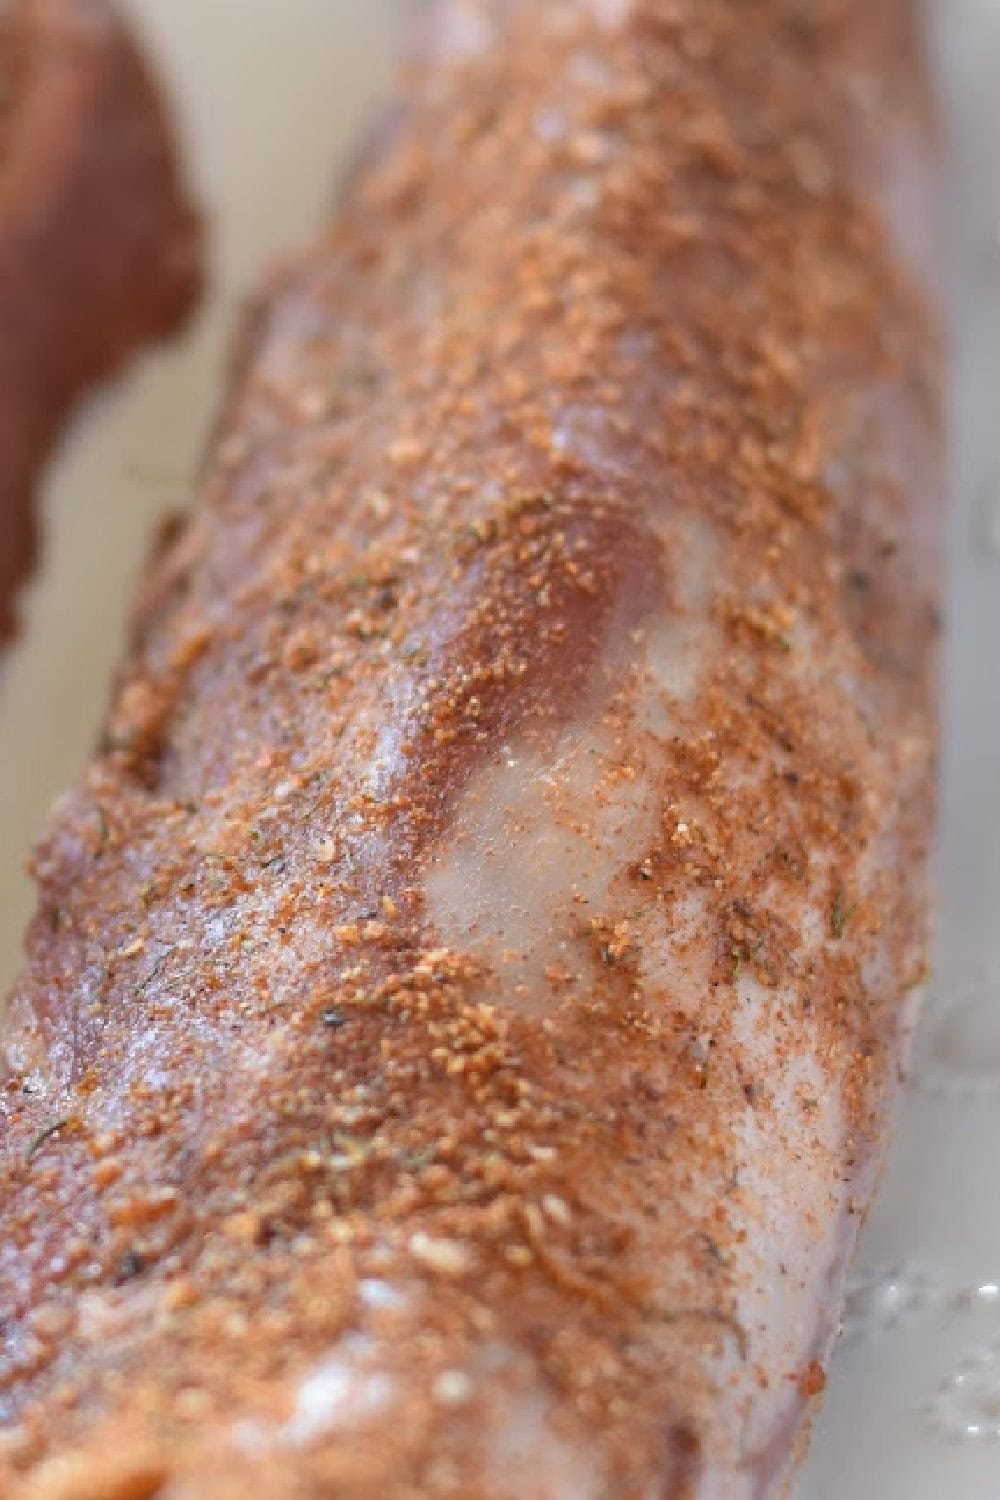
627,275
99,248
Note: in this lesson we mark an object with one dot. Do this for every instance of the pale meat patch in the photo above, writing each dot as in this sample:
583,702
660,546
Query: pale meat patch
541,843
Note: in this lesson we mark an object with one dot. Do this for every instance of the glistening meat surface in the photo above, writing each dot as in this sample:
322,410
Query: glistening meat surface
467,990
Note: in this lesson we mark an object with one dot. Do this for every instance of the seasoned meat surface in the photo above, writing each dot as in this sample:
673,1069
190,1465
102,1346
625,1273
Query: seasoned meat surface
99,246
457,1033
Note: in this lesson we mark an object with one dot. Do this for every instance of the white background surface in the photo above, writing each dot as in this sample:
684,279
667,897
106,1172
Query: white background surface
270,93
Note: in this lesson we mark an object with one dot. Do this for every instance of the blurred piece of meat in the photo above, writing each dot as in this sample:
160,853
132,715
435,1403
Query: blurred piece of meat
461,1020
99,247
